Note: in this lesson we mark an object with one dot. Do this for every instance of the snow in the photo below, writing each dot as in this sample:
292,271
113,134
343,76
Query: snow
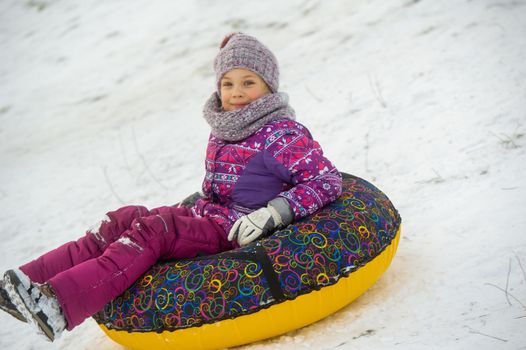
100,106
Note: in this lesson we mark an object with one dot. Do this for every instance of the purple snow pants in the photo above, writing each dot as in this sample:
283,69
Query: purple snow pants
88,273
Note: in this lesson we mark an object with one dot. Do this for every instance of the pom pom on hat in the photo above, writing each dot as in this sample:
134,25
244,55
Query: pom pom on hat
238,50
226,39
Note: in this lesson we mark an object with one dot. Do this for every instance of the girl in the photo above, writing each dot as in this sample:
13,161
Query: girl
263,171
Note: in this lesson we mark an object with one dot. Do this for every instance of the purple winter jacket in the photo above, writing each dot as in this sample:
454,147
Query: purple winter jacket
279,160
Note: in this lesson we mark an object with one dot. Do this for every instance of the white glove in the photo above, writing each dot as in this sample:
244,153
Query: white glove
254,225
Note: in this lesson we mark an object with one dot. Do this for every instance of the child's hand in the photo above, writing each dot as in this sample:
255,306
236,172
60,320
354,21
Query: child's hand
254,225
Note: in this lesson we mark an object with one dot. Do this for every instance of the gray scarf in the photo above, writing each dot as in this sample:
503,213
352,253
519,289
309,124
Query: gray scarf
239,124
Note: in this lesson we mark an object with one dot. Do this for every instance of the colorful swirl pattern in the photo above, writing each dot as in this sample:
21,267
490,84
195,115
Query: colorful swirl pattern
308,255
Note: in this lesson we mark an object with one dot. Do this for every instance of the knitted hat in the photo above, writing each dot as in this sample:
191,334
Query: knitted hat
239,50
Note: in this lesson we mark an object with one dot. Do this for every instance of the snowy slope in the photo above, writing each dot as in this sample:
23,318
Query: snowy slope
100,105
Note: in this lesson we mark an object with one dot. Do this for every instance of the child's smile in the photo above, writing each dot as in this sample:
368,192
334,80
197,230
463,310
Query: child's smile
239,87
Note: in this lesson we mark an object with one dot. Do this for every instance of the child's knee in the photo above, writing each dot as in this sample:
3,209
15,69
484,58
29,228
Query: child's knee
150,226
115,223
170,211
128,213
149,231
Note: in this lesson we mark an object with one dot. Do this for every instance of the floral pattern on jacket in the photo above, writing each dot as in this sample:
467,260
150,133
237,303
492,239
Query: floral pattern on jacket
280,159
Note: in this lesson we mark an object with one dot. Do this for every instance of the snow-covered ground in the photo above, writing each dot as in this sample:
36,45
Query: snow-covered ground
100,105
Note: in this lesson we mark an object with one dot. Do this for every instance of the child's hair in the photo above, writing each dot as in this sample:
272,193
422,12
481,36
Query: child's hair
239,50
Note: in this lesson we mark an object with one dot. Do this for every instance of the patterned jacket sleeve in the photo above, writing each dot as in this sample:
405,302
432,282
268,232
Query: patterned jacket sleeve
316,181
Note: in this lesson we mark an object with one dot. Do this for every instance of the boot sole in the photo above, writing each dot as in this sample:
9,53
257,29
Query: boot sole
14,312
18,295
6,304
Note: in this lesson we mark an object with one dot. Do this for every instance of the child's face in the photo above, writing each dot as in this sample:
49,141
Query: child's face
239,87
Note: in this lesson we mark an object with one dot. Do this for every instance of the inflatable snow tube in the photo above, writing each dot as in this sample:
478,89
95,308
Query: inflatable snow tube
295,277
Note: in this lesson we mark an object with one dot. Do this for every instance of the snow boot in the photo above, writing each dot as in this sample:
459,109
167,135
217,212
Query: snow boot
7,306
36,302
